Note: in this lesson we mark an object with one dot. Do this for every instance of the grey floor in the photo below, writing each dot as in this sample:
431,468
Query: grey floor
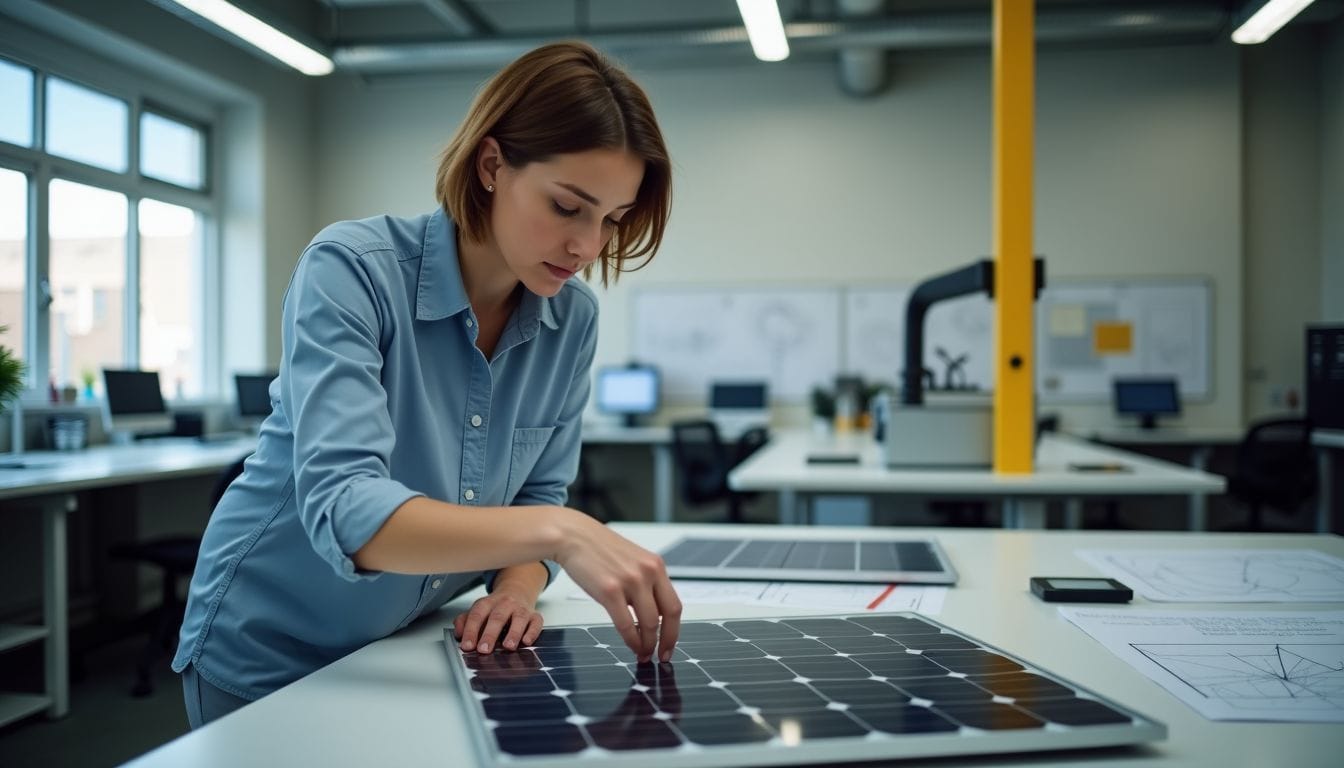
106,725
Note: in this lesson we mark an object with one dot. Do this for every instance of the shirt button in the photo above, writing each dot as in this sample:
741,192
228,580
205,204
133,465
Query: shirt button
469,495
476,420
470,322
436,584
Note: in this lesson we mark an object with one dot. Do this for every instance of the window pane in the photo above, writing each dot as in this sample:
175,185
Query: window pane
171,151
13,257
88,282
16,93
86,125
171,328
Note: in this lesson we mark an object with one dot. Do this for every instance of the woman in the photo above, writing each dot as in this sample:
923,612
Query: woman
427,412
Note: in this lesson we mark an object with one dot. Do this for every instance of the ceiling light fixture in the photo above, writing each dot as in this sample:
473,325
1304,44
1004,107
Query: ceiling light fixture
1267,20
765,29
258,33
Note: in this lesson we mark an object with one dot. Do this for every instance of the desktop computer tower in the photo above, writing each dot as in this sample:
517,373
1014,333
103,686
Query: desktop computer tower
1325,376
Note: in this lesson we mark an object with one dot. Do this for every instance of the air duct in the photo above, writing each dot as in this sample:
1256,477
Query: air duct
882,33
862,71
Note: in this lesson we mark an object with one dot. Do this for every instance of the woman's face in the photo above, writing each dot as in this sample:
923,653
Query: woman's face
551,219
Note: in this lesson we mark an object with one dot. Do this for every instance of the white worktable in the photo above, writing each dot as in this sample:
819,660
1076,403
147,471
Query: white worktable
47,482
390,703
781,466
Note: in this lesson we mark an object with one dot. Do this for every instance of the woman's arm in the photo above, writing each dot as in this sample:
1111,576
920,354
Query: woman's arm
427,536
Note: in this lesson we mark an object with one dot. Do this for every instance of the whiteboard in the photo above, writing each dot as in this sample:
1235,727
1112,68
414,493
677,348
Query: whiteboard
1090,332
960,329
786,337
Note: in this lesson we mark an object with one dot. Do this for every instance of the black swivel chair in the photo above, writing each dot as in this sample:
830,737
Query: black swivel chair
592,496
176,556
1276,468
704,462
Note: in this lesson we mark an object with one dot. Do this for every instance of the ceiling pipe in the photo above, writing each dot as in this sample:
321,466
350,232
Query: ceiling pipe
861,71
905,32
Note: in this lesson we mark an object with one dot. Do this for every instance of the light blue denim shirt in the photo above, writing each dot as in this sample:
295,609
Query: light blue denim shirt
382,396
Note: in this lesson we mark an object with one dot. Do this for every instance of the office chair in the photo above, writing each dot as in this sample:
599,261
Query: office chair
704,462
1275,468
176,556
593,496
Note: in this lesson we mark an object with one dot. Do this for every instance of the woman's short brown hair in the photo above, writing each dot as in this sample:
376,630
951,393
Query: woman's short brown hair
559,99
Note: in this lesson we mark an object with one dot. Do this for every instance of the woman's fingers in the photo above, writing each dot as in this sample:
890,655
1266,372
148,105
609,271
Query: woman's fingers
518,622
669,606
471,630
533,629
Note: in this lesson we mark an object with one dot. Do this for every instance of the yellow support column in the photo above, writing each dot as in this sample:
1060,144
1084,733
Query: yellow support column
1014,267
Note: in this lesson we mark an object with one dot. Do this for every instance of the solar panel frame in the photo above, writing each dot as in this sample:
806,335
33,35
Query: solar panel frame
874,744
945,575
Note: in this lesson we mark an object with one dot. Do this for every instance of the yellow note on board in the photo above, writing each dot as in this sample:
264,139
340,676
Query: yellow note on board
1113,338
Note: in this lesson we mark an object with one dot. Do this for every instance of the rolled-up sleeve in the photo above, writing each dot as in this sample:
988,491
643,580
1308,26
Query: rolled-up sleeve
343,435
554,472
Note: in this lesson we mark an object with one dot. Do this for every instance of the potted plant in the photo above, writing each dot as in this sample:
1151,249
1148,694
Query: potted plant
11,374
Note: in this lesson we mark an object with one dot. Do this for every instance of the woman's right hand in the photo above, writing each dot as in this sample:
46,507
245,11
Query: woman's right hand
621,576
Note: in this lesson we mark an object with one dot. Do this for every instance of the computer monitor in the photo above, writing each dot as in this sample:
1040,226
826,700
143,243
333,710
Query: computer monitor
736,406
630,391
133,404
1147,398
254,396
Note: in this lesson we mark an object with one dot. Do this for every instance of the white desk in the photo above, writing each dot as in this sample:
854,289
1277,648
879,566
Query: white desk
390,703
659,442
781,466
48,482
1327,441
1200,440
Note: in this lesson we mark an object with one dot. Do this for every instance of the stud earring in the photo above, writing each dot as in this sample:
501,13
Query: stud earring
490,188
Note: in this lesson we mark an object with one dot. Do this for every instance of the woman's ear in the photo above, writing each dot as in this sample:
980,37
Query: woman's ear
489,159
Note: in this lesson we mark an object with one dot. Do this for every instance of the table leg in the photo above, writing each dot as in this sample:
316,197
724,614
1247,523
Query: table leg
55,608
788,503
1324,490
1198,505
662,483
1073,513
1024,513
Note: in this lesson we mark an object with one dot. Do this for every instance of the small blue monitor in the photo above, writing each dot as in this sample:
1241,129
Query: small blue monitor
629,391
1147,398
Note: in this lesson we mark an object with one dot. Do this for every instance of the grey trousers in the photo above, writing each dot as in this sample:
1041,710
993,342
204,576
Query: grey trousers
205,702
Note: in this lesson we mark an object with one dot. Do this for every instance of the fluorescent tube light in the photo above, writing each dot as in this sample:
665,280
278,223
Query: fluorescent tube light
1266,21
765,29
260,34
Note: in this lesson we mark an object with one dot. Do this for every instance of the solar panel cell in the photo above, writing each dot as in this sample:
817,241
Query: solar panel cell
567,694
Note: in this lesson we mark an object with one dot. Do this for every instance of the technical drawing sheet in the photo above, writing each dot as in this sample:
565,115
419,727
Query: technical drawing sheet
927,600
1253,665
1224,575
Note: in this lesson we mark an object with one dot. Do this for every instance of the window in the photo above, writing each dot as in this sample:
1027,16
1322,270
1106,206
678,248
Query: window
172,151
13,257
124,195
16,93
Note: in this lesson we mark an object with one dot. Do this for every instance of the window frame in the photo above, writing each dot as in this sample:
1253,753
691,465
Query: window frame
142,95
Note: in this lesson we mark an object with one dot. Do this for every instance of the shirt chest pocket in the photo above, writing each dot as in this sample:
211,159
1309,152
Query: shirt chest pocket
528,443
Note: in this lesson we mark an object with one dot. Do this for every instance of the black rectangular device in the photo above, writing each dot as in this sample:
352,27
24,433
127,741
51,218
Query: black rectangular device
1090,589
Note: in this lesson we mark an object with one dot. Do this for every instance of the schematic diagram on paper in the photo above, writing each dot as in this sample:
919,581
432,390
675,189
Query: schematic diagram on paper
1245,676
1225,576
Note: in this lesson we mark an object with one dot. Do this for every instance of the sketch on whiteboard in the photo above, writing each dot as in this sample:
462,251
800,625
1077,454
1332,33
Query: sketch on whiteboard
700,335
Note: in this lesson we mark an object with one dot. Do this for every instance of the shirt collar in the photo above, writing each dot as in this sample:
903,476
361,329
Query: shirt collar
441,293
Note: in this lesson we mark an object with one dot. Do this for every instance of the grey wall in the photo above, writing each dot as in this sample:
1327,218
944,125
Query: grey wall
1281,113
1332,171
781,179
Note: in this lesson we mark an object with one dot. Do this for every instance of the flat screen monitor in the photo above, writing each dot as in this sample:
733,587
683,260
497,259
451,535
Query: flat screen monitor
133,404
743,396
254,395
1147,398
630,391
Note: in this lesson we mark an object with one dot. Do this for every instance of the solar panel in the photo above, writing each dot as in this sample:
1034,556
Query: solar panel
775,691
917,561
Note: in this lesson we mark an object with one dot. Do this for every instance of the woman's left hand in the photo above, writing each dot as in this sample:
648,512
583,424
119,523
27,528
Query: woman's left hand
511,606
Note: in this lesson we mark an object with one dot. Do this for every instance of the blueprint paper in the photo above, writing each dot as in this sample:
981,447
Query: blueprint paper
1224,575
1254,665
